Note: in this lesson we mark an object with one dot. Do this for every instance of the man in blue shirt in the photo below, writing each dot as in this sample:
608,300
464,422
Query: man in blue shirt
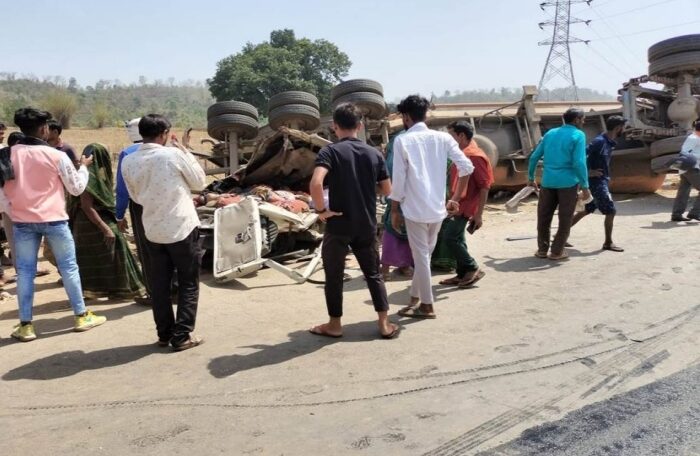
599,152
135,210
563,152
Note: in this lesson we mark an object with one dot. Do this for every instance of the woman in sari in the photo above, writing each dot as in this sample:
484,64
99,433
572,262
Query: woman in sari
395,249
107,266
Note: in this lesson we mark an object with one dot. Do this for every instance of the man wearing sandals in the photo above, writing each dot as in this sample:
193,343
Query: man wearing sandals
160,179
420,161
471,206
563,153
599,152
352,170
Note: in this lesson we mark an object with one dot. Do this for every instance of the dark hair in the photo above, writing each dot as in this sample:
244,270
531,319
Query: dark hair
614,121
3,126
347,116
14,138
29,120
56,126
415,106
153,125
462,126
572,114
697,125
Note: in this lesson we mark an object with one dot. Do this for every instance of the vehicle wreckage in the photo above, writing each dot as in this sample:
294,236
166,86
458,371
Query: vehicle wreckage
260,213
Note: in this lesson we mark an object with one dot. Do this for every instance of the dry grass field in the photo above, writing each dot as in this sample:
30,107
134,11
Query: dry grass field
115,138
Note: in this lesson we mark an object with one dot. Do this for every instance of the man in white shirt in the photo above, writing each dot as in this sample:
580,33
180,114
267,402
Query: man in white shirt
160,179
688,179
419,186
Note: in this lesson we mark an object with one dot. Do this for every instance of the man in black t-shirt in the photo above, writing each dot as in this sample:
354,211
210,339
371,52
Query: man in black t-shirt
352,170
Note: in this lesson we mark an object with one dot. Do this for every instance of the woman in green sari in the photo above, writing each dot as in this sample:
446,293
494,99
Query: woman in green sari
107,266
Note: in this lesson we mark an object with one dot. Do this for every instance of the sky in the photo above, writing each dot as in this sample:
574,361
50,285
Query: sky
410,46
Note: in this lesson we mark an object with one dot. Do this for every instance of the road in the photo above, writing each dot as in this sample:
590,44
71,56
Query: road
513,366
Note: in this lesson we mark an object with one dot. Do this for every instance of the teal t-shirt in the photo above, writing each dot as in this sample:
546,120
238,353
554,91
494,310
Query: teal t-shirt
563,151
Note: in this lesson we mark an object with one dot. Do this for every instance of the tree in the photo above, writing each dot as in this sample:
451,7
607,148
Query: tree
262,70
62,105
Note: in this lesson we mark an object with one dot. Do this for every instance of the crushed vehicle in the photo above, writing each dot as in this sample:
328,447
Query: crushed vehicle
259,229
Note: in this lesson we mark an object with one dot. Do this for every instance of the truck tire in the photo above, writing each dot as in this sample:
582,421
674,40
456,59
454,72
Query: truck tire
666,146
292,97
675,45
232,107
676,63
356,85
489,148
245,126
371,104
306,117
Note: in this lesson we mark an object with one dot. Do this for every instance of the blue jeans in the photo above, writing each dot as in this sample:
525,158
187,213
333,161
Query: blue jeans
27,240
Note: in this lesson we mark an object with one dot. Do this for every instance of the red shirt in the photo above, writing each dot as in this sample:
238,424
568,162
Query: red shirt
480,179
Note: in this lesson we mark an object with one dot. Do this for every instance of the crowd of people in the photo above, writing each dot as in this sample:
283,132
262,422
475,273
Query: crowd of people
436,184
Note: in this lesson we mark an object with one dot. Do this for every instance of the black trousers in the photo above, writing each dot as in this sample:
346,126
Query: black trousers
165,260
334,251
136,211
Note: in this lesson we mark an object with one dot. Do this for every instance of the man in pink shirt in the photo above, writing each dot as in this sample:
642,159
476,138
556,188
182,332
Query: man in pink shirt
36,202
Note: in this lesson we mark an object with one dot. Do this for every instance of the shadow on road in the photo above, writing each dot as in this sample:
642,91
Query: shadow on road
300,343
668,224
69,363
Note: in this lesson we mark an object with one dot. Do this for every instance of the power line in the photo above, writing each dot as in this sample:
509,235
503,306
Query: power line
648,31
613,65
602,69
665,2
623,42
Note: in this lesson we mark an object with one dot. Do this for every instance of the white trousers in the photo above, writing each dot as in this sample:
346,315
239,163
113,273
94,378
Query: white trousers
422,237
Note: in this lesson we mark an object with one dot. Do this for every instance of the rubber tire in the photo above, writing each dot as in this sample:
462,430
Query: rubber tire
659,165
666,146
372,105
232,107
489,148
309,118
245,126
676,63
675,45
292,97
356,85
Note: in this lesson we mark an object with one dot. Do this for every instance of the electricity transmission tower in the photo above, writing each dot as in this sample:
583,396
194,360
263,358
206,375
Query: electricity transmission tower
559,58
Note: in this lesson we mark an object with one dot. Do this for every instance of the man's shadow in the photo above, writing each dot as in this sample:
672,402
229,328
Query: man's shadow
669,224
69,363
300,343
523,264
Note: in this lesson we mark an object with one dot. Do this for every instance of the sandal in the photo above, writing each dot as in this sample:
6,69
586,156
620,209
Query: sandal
416,312
540,254
560,257
469,283
191,342
394,334
613,248
451,281
319,331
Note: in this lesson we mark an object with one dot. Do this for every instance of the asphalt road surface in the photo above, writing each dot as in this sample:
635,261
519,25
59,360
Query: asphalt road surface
661,418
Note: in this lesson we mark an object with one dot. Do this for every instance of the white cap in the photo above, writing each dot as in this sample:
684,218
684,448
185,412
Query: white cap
132,130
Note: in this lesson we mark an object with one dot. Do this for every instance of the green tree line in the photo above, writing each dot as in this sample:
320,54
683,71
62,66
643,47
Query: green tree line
107,102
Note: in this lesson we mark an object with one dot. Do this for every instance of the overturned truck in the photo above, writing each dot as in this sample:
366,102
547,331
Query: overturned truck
257,227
